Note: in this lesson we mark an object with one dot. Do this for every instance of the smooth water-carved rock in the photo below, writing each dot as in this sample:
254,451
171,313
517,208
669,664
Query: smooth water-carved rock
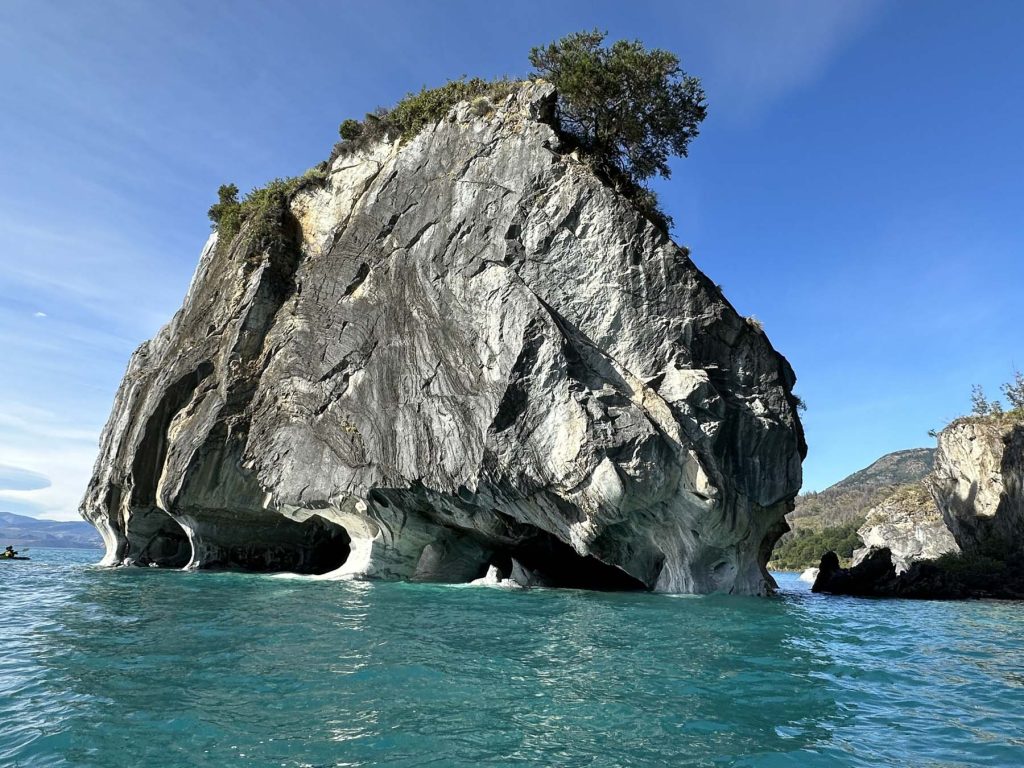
461,351
978,484
909,525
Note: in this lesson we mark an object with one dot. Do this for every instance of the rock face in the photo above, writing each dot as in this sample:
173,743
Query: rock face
464,351
908,523
978,483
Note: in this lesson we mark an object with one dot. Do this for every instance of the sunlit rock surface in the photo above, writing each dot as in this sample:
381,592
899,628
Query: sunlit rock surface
468,352
909,524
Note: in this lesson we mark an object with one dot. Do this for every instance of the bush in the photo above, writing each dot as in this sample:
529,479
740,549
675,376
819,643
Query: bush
982,407
225,207
969,565
262,210
418,110
350,130
1014,391
481,106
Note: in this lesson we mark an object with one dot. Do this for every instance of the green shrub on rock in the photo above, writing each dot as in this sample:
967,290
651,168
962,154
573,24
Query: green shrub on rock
350,130
261,212
225,214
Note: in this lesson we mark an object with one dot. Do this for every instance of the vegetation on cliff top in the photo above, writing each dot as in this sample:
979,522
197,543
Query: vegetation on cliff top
1012,390
626,108
262,209
418,110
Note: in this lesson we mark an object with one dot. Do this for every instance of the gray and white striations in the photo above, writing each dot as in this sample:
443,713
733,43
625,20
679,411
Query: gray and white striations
978,483
466,350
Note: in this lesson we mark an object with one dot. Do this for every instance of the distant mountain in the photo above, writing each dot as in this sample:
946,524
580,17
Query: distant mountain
21,531
849,500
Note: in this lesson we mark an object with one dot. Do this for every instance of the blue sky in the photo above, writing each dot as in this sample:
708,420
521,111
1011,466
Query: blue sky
858,185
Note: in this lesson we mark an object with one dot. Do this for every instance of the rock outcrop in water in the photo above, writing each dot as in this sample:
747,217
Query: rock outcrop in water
908,523
460,351
978,486
978,483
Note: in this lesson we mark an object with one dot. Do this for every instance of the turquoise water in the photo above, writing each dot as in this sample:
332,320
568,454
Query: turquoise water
160,668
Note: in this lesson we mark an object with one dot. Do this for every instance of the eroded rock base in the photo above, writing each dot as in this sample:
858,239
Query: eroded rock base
154,538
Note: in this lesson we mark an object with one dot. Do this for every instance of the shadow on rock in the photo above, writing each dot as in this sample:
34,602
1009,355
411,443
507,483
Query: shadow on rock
952,576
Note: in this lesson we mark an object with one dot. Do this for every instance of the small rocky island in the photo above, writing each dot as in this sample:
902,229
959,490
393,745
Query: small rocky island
442,353
960,533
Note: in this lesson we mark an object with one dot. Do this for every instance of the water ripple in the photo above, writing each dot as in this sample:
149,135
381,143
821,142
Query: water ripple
138,667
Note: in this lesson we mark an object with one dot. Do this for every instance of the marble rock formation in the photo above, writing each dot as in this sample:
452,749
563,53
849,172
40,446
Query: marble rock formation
908,523
462,350
978,484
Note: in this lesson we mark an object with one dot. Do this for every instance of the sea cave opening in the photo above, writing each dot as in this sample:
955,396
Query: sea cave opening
553,563
270,543
155,538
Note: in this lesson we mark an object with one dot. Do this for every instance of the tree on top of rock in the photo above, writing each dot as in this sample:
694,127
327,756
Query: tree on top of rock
629,108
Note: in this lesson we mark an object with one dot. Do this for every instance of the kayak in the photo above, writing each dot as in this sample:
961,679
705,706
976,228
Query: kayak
4,559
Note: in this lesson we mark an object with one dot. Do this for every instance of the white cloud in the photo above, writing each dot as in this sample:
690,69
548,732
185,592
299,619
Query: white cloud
38,314
20,479
759,52
45,446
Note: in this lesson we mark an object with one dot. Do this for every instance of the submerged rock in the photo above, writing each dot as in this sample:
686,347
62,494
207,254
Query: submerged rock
455,351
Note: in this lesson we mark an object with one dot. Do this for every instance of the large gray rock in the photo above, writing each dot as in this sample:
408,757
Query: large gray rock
908,523
977,484
463,350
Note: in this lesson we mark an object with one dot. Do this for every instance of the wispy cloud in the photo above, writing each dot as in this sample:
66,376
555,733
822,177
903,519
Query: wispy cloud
18,479
759,52
45,462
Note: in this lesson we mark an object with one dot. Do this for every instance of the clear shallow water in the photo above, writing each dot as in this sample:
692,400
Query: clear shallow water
158,668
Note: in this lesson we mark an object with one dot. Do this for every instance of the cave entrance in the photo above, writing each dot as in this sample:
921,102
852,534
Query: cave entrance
270,543
329,546
156,538
553,563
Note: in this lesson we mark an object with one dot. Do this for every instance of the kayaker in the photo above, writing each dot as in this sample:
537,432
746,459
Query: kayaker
9,552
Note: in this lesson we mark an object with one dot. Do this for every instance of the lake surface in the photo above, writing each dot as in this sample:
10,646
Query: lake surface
144,667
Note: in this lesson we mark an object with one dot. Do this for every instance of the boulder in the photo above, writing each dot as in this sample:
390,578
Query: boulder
446,353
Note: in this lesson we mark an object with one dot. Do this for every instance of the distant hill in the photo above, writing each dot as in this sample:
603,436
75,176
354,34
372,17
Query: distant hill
830,519
850,499
21,531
